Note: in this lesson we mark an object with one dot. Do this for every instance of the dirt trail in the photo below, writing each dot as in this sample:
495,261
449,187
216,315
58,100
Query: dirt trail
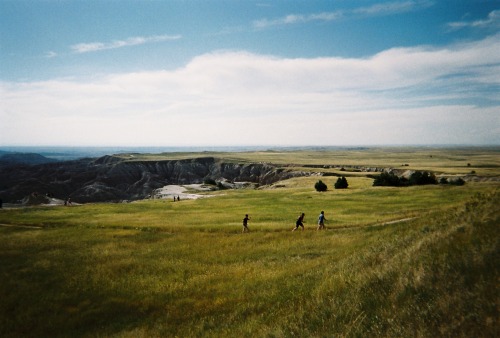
402,220
396,221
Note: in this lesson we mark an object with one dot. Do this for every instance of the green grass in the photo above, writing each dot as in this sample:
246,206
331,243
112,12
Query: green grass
270,209
163,269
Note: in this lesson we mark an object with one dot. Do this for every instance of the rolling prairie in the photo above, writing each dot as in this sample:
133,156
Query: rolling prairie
414,261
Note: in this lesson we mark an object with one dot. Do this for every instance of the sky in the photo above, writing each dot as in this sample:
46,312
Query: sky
249,73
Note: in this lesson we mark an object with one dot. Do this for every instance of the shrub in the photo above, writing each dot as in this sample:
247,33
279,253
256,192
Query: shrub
341,183
320,186
392,180
422,178
387,179
458,181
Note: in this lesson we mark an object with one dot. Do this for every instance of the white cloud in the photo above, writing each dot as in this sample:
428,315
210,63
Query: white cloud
402,95
492,21
133,41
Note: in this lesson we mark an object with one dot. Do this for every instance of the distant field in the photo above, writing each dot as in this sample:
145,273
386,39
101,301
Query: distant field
393,262
482,160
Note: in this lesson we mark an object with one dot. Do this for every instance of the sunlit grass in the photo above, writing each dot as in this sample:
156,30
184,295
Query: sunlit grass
269,209
158,269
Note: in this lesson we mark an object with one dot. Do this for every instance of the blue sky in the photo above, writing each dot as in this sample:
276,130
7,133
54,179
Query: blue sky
277,73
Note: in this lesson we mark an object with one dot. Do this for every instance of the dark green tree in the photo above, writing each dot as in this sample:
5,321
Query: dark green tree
341,183
320,186
422,178
417,178
387,180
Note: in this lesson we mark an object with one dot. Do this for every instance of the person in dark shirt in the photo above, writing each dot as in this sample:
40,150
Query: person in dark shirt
245,224
299,222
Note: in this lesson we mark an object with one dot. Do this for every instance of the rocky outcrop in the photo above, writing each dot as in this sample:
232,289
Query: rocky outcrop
112,178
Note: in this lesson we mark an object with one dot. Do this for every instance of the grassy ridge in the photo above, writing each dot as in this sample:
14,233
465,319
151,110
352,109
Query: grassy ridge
158,268
483,160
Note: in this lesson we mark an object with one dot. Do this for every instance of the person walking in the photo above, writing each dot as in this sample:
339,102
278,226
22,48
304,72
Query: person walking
321,221
299,222
245,224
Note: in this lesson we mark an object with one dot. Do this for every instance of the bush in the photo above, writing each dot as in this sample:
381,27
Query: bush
320,186
458,181
341,183
422,178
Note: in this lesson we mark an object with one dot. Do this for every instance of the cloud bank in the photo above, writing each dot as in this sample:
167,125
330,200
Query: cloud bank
417,95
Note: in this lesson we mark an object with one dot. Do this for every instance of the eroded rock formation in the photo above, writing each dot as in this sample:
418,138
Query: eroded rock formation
112,178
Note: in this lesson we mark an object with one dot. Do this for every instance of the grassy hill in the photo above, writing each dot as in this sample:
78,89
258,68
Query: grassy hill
416,261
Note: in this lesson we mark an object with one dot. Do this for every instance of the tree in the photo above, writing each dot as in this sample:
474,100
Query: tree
341,183
422,178
417,178
387,179
320,186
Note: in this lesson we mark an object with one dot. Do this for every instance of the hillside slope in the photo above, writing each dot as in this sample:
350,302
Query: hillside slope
93,271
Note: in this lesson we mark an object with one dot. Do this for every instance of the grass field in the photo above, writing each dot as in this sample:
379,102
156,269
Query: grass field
159,268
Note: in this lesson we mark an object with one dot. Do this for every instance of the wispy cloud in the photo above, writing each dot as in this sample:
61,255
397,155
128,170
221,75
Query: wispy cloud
492,21
380,9
133,41
50,54
297,18
389,8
